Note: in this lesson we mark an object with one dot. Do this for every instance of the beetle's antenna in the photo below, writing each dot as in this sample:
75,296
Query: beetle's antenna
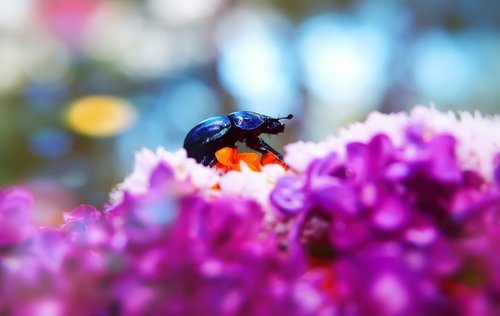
288,117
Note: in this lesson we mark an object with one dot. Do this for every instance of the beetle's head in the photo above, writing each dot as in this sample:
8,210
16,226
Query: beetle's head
274,126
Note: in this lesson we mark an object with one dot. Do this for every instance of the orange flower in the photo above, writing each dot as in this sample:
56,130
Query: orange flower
229,159
270,158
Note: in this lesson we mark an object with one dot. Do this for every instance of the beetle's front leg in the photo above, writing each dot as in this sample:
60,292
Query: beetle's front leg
212,162
258,144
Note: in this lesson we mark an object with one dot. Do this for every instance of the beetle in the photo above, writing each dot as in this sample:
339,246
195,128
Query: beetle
214,133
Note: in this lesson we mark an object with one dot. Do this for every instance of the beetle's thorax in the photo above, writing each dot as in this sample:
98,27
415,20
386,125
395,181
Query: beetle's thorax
272,126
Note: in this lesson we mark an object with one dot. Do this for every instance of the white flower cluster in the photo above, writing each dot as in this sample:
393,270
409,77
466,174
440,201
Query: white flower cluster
247,183
183,167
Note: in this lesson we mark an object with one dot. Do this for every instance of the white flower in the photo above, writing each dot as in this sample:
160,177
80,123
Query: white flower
245,183
201,177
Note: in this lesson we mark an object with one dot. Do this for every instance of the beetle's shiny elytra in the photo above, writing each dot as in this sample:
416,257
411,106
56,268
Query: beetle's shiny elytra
218,132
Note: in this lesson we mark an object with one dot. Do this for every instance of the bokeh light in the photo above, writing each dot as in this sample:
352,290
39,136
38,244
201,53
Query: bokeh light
100,116
16,14
345,63
86,83
182,12
443,68
50,143
67,18
118,34
255,65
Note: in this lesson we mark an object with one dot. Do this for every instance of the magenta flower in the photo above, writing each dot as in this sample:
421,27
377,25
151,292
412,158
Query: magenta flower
17,221
401,226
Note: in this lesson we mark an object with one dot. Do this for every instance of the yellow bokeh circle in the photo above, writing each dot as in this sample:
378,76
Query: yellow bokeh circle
100,116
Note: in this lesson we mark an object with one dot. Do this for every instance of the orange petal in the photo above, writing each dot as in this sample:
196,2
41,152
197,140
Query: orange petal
270,158
216,187
251,159
221,167
227,156
234,166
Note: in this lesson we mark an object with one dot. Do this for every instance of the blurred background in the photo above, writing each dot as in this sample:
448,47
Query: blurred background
86,83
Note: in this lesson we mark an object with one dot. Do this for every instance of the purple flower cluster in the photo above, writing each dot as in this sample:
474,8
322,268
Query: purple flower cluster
404,230
402,222
169,251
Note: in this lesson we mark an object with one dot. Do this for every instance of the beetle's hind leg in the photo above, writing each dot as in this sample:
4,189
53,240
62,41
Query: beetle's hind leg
258,144
209,160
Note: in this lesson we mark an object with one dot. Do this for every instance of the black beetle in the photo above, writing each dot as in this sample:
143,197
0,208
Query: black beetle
218,132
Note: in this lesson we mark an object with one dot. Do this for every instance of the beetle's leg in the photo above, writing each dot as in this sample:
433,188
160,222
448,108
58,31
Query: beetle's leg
258,144
212,162
203,161
207,160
